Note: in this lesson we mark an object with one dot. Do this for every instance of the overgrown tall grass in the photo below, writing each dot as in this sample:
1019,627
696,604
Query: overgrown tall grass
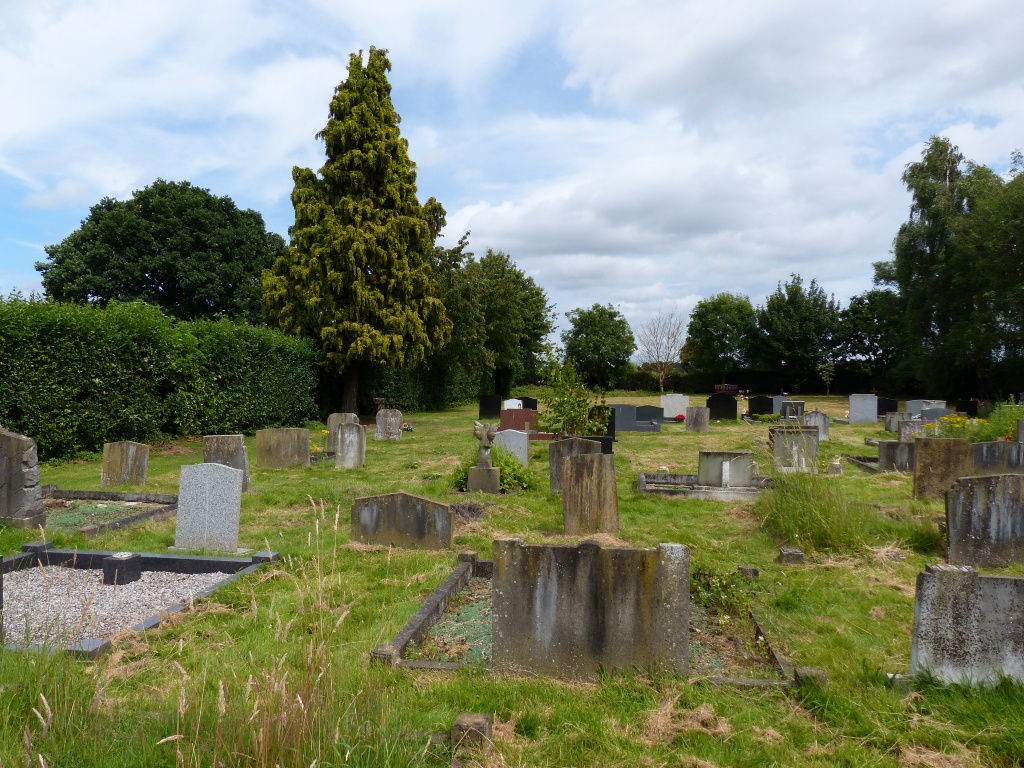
815,512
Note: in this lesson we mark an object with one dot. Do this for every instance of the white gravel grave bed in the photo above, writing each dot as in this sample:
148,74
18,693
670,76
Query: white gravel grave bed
65,605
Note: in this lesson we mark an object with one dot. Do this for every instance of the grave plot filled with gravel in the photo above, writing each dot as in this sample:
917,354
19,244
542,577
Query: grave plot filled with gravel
60,606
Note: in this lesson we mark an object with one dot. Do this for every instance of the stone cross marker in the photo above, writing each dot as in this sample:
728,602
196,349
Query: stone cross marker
389,425
124,463
230,451
350,446
209,505
21,499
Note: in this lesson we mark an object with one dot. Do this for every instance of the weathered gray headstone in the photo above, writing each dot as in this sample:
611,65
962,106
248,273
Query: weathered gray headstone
21,499
725,469
282,448
909,430
515,442
893,419
985,521
965,630
674,405
402,520
560,450
934,414
1020,430
938,463
334,421
389,425
794,449
698,419
863,409
915,407
816,419
350,446
209,506
230,451
124,463
777,402
590,502
896,456
999,457
569,611
792,409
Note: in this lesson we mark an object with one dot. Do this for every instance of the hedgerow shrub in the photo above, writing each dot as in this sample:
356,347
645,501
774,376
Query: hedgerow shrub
514,476
74,377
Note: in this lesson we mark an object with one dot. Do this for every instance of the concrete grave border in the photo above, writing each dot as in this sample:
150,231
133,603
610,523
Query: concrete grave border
42,553
669,484
169,501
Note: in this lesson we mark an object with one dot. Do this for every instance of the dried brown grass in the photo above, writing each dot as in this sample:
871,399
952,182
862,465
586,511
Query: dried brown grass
666,722
919,756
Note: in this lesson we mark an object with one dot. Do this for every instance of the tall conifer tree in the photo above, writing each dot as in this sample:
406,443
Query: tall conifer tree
357,279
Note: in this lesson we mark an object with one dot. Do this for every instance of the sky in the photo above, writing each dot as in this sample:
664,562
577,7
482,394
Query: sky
645,155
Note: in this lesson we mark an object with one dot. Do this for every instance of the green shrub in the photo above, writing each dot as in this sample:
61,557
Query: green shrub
1000,424
514,476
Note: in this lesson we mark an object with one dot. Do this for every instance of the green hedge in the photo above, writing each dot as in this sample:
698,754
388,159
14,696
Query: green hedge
74,377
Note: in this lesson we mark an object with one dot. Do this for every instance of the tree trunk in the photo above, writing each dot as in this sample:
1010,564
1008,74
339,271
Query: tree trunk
350,390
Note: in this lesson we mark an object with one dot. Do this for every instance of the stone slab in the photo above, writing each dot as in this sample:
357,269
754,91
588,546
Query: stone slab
998,457
722,407
490,407
388,425
909,430
590,502
21,498
794,448
484,480
229,450
887,405
896,456
817,419
512,404
519,419
893,419
334,421
560,450
124,463
863,409
792,409
725,469
402,520
939,462
985,521
698,419
282,448
209,507
674,405
515,442
350,446
761,405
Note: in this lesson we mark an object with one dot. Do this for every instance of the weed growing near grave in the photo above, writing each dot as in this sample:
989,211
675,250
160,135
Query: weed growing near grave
1001,424
514,476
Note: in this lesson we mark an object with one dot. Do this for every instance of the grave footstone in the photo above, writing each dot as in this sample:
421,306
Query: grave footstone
722,407
938,463
673,406
887,405
350,441
515,442
389,425
124,463
816,419
794,449
590,501
985,521
209,506
761,405
334,421
490,407
863,409
725,469
558,453
230,451
792,409
21,498
282,448
698,419
402,520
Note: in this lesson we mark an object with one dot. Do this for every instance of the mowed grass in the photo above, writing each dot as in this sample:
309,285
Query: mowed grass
273,670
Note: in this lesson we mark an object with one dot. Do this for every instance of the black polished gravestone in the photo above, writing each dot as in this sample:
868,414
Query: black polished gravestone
887,405
760,405
490,406
969,407
529,402
650,413
722,406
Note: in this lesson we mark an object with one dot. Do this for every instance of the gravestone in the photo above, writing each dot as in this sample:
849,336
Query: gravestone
722,407
512,404
894,456
816,419
963,630
515,442
334,421
938,463
649,418
230,451
1000,457
350,442
124,463
402,520
777,402
725,469
934,414
893,419
909,430
628,418
21,498
209,506
863,409
282,448
887,405
968,407
572,611
792,409
915,407
1020,430
530,403
673,406
590,502
490,407
698,419
558,453
389,425
985,521
794,449
761,405
484,477
521,419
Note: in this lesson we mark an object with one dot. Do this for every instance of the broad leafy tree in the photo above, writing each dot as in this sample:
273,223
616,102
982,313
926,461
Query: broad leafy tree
357,278
172,244
599,343
718,334
659,342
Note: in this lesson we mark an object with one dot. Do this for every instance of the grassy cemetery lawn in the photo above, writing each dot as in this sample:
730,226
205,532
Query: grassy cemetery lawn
274,668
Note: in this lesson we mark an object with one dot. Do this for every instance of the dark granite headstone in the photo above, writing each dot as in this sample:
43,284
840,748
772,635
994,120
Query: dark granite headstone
934,414
529,402
887,405
792,409
760,405
625,417
490,406
722,406
969,407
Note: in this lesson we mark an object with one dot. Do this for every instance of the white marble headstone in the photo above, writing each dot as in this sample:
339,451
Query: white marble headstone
515,442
